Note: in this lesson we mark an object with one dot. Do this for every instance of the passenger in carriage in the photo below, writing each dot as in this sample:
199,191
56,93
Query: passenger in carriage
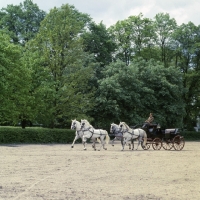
148,121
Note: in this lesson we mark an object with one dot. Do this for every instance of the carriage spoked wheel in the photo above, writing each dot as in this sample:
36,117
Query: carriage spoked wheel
147,146
167,144
178,142
157,144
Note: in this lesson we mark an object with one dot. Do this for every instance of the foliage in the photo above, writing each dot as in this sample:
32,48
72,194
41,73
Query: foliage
191,135
164,28
61,69
14,82
9,135
21,22
129,93
99,42
131,36
65,66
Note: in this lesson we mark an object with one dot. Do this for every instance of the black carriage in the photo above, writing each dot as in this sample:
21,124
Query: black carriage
167,138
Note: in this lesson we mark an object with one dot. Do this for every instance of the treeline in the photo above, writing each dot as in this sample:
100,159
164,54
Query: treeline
35,135
61,65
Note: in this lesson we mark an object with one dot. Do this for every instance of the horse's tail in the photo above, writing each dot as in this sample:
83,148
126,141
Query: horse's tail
145,138
98,140
107,138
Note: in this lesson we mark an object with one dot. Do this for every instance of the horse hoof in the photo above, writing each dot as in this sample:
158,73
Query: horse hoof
113,145
84,149
105,148
72,146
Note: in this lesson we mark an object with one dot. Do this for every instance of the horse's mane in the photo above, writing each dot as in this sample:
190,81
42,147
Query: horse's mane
88,123
75,120
125,125
114,124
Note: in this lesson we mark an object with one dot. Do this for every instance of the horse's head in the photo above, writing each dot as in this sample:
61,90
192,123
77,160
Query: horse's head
84,123
122,127
74,124
114,128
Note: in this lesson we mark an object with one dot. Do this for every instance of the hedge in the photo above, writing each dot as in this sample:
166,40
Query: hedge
32,135
191,135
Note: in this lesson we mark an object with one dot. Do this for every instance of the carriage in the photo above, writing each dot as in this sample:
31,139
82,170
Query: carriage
167,139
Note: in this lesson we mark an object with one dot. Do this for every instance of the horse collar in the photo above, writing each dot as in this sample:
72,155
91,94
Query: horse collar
88,129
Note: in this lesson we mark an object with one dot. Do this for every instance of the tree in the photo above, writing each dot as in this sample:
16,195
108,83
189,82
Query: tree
132,36
14,83
22,22
61,68
187,37
164,28
130,93
98,42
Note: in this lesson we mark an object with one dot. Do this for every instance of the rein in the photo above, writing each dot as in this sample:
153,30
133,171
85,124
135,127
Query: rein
88,129
116,132
132,132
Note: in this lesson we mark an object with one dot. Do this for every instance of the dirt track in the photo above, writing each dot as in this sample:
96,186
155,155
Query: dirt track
57,172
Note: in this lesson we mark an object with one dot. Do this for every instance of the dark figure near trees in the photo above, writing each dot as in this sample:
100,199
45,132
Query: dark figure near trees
148,121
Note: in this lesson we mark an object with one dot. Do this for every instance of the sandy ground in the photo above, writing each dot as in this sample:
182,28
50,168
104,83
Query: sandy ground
57,172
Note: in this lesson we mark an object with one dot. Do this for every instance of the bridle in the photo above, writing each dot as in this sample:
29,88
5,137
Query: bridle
115,130
126,130
74,127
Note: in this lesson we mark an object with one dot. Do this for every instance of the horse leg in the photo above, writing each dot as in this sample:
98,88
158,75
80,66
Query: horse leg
123,144
132,142
84,143
104,142
76,138
130,145
113,141
139,142
101,142
93,145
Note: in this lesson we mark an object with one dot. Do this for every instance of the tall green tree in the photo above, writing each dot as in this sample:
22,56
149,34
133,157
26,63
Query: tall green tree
132,35
61,68
14,83
164,28
187,37
22,21
98,42
129,93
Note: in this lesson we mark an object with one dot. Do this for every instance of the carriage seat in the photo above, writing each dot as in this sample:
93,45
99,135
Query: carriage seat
171,130
152,128
153,125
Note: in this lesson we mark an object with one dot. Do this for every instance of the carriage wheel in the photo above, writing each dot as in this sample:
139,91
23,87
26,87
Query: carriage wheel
157,144
146,147
178,142
167,144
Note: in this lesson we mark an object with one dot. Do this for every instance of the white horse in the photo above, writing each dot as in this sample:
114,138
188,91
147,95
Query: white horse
76,125
131,134
115,130
89,132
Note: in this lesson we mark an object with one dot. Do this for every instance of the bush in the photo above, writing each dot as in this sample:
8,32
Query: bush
191,135
35,135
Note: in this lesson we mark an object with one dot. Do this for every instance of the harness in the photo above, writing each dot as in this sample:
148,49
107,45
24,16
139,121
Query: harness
116,132
132,132
88,129
78,132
